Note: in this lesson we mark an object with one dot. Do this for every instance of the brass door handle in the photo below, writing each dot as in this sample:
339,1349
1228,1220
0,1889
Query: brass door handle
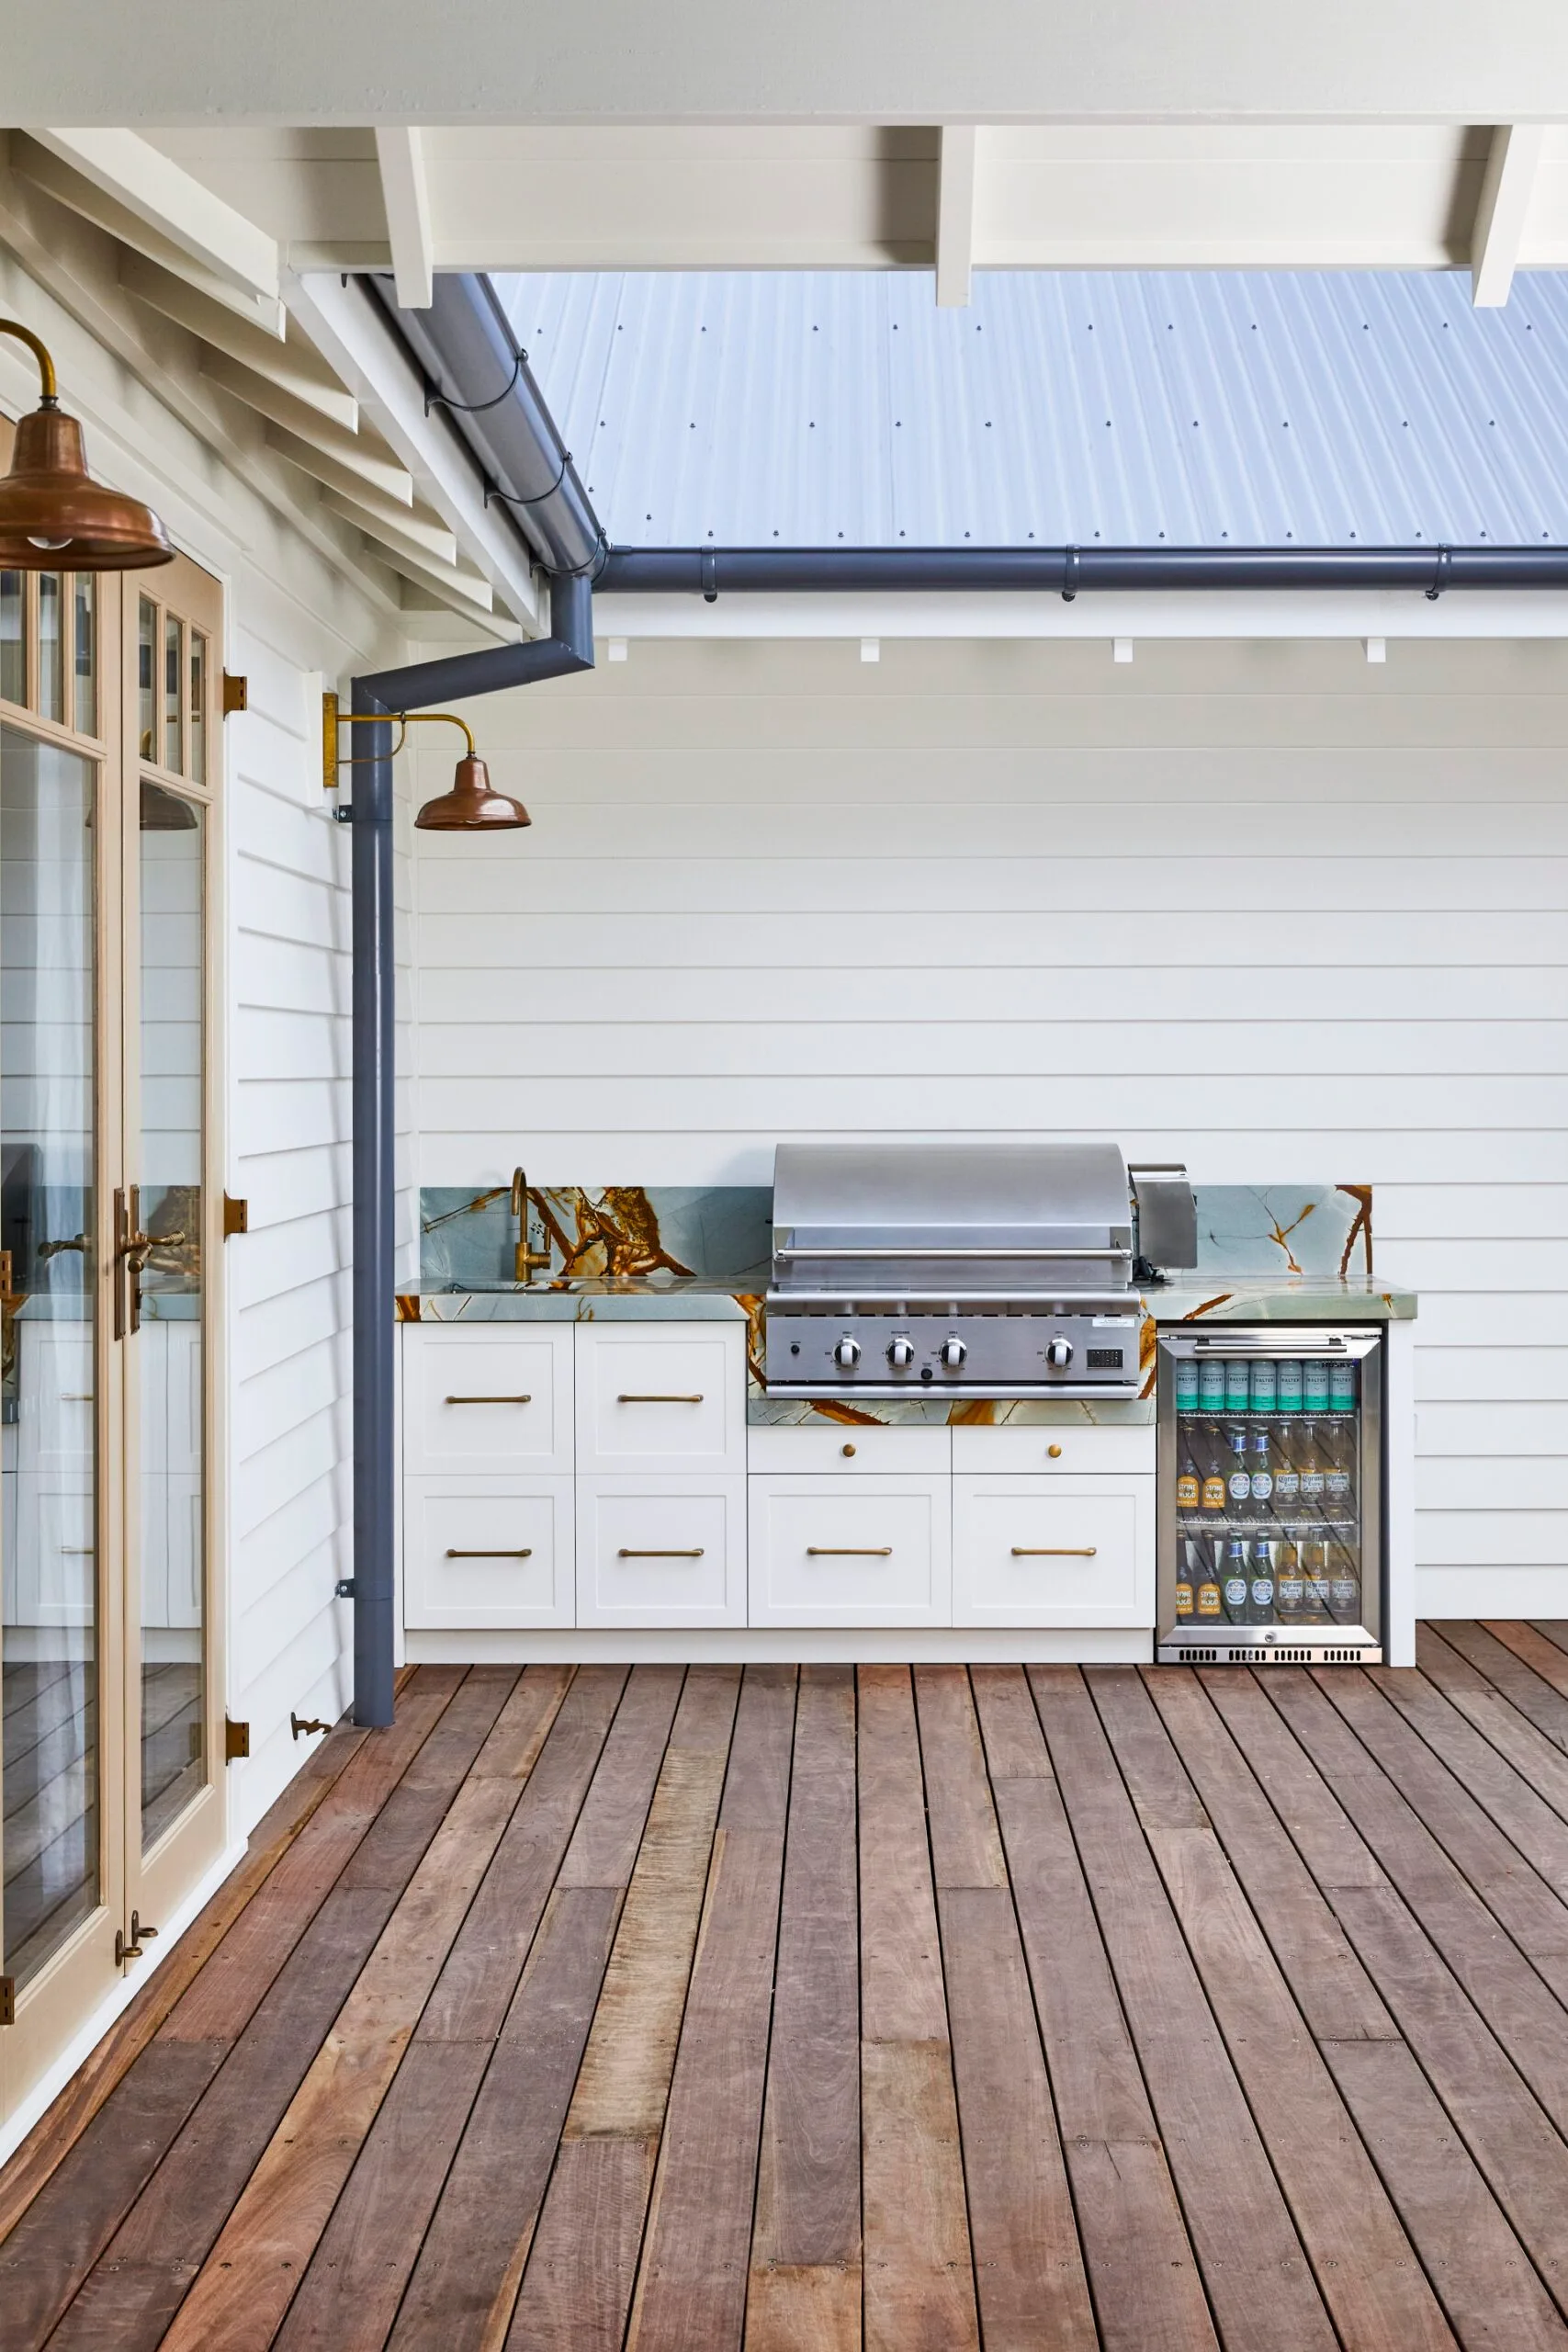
624,1400
524,1552
693,1553
490,1400
1054,1551
849,1551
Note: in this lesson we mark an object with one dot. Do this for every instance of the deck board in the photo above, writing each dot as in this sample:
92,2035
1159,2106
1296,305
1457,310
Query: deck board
829,2010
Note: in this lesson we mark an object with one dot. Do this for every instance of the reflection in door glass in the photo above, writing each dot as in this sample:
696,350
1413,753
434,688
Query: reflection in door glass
146,678
167,1361
52,645
84,597
48,1596
198,708
173,683
12,637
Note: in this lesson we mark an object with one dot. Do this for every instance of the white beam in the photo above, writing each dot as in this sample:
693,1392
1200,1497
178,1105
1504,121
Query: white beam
1500,216
353,337
167,199
956,215
405,193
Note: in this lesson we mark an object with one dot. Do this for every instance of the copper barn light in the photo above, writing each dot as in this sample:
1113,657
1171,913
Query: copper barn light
53,515
470,808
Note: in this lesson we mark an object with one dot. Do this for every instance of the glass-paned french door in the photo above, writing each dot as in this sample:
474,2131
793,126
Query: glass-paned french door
111,1795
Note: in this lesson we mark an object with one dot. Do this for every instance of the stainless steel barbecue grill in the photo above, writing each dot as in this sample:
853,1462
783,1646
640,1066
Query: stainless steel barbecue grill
990,1269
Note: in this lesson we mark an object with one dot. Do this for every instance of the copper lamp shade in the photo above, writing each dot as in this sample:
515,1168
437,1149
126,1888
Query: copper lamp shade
53,515
471,806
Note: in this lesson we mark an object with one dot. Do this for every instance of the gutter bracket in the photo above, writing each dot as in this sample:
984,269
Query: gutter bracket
1440,577
1069,576
710,568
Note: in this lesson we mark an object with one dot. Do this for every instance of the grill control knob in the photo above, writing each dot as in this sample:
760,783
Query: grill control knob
953,1353
1060,1354
901,1353
847,1354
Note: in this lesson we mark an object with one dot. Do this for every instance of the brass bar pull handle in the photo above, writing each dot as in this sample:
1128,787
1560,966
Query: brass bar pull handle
1054,1551
695,1552
624,1400
849,1551
525,1552
490,1400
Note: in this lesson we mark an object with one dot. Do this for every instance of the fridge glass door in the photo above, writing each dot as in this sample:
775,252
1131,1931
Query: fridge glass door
1270,1500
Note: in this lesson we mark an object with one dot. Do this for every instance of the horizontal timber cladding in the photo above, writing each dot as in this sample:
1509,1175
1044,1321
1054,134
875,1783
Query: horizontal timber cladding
1260,906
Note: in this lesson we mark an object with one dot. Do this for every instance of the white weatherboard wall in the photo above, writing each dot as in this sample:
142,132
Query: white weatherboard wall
1258,906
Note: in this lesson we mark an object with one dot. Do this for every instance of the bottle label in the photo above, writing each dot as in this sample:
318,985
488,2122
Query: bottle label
1337,1485
1287,1486
1187,1490
1213,1494
1208,1601
1184,1600
1240,1485
1293,1592
1263,1593
1311,1485
1235,1592
1262,1486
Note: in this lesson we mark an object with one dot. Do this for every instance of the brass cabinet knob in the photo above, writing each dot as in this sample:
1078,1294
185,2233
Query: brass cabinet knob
1055,1451
849,1449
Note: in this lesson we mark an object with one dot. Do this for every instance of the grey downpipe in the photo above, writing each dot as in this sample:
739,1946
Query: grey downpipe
475,371
568,647
712,571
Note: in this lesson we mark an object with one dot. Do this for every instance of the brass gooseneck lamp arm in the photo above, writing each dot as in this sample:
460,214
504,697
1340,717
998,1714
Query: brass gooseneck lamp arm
469,806
50,393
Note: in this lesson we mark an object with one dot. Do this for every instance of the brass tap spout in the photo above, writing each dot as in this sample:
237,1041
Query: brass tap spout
523,1259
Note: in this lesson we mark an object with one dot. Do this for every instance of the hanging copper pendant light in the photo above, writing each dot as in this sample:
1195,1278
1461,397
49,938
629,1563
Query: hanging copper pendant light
53,515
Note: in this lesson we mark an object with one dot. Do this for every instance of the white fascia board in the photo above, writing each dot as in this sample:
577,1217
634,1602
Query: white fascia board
349,331
164,195
1389,613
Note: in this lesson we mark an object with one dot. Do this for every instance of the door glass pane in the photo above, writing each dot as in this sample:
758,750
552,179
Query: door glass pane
172,684
50,645
146,679
198,707
168,1343
49,1604
84,597
13,637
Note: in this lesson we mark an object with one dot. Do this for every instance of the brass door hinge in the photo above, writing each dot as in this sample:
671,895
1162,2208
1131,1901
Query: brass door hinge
7,2000
236,1216
236,1740
236,693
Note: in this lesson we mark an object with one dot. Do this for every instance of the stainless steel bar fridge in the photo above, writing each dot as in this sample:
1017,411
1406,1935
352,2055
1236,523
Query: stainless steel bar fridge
1271,1496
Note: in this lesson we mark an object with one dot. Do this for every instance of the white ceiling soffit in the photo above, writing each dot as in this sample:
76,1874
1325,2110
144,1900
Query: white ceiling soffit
736,61
135,246
1083,195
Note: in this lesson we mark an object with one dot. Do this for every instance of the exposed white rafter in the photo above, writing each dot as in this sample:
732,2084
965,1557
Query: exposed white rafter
405,193
1500,216
956,215
164,196
291,365
352,334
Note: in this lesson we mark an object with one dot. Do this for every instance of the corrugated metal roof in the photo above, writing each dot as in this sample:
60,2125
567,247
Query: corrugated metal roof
1203,409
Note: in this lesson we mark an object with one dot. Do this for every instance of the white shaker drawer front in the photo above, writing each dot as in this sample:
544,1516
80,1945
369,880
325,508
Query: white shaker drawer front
661,1396
493,1400
841,1449
1065,1450
660,1551
850,1552
1035,1550
488,1552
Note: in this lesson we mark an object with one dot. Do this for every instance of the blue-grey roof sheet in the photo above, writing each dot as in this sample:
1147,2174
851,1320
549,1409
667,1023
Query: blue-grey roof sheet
1202,409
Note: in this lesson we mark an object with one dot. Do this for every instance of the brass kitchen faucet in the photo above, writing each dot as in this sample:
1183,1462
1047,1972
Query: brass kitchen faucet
524,1259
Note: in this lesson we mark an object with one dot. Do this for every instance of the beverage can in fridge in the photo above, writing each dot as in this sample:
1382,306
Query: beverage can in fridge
1288,1386
1342,1386
1238,1385
1186,1384
1314,1385
1211,1385
1264,1387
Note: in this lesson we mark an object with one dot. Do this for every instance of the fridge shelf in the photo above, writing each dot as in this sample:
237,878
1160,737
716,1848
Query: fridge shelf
1292,1531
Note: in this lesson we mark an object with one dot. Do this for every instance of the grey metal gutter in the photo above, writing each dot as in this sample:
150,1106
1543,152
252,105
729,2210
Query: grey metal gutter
475,371
713,572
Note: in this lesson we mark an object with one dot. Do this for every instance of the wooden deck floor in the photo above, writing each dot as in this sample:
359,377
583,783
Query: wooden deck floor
688,2009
